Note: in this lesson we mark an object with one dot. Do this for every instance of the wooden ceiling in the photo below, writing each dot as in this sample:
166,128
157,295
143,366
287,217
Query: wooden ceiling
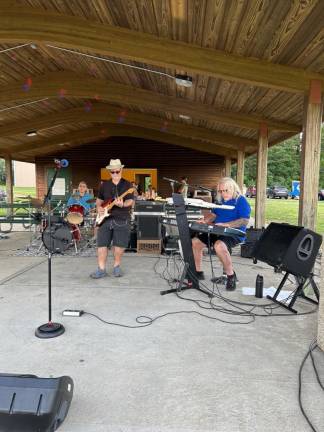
251,63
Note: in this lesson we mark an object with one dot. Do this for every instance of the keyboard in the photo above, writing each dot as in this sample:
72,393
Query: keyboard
216,229
207,228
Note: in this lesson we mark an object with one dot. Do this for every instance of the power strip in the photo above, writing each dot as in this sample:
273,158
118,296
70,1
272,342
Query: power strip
72,312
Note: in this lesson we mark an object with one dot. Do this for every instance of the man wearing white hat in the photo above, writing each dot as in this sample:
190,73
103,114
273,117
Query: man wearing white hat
114,229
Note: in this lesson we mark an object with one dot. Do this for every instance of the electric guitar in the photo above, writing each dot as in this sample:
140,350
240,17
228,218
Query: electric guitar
108,205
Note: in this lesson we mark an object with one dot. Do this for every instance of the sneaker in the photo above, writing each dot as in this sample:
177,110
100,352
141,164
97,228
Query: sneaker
200,275
231,282
98,274
117,271
221,280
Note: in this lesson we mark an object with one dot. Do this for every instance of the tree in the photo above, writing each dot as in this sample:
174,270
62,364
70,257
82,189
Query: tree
284,162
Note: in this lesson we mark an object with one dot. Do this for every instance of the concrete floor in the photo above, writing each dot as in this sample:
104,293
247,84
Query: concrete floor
184,373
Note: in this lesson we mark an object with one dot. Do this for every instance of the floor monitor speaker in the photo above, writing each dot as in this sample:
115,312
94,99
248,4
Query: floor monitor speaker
32,404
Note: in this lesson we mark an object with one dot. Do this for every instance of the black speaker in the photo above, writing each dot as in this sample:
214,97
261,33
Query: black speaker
32,404
290,248
149,206
148,227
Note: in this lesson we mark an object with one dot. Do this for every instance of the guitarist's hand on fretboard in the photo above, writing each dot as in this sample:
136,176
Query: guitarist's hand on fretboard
101,210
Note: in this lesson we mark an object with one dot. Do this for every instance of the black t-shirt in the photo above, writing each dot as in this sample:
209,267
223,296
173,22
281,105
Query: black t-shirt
109,191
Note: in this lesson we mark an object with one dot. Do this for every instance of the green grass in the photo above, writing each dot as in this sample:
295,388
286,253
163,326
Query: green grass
286,211
21,191
18,193
24,191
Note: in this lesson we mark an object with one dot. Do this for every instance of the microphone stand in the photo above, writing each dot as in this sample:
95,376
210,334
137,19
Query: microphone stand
50,329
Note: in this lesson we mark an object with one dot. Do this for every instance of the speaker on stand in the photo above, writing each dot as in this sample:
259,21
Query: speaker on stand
292,249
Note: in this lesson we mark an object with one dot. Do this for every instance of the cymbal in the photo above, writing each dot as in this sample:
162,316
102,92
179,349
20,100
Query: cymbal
91,200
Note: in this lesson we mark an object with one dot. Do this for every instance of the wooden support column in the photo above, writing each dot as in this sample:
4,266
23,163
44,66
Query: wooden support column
240,169
311,150
9,179
261,181
320,330
228,167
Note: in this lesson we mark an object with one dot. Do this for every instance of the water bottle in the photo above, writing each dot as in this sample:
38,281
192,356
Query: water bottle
259,286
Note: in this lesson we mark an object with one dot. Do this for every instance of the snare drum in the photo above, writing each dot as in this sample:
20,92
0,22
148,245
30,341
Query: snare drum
75,214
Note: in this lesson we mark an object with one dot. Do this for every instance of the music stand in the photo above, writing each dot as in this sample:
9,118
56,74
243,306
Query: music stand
186,245
50,329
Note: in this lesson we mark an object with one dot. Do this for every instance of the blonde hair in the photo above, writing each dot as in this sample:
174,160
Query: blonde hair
231,185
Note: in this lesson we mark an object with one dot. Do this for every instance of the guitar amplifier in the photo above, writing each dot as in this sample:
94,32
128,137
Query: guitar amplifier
149,206
148,227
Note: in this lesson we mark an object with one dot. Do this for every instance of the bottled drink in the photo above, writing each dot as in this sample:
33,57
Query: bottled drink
259,286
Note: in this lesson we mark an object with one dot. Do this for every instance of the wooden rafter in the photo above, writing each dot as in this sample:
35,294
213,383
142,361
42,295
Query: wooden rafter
104,113
87,135
30,24
71,84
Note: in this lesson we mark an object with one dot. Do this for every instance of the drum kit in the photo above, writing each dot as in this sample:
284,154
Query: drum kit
70,226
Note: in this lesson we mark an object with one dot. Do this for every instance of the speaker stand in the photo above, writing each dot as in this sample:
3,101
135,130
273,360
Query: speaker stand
298,292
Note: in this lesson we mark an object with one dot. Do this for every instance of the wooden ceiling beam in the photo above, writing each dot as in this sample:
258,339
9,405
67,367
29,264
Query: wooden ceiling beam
104,113
19,24
60,84
74,138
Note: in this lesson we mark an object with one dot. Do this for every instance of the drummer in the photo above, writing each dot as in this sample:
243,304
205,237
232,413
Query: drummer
81,197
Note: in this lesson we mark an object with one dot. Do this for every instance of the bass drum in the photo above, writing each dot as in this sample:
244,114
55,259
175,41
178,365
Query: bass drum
57,239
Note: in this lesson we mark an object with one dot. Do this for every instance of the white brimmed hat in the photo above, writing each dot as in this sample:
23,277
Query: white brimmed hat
113,164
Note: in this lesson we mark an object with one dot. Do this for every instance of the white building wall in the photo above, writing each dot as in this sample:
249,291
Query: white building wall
24,174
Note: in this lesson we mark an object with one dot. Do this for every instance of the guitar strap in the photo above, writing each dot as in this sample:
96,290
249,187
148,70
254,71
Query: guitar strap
116,195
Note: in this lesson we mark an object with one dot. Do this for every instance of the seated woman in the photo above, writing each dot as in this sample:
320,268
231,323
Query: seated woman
81,197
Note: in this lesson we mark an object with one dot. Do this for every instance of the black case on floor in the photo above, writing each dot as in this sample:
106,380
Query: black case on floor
32,404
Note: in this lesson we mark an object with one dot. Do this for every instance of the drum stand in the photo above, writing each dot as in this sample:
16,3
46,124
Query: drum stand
50,329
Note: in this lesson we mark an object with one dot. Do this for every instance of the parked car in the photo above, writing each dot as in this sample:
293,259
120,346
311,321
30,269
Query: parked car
321,195
278,192
250,192
3,195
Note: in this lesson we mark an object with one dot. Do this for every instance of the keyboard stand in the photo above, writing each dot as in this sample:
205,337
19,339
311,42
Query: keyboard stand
186,246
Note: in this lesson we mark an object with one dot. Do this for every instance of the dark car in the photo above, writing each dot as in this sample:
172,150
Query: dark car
321,195
3,195
277,192
250,192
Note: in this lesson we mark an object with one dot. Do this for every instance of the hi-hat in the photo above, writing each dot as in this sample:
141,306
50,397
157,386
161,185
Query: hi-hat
91,200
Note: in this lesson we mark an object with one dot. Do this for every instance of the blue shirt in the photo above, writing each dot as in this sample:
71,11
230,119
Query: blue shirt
80,201
241,210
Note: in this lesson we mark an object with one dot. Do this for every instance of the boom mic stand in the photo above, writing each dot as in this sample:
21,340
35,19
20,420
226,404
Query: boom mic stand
50,329
173,182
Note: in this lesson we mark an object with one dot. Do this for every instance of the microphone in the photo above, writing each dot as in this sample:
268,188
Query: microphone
63,163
